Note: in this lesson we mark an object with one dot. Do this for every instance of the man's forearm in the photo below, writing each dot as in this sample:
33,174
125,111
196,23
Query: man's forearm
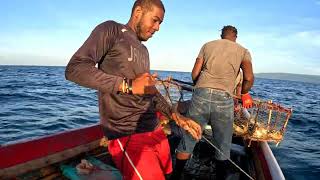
246,86
82,66
84,73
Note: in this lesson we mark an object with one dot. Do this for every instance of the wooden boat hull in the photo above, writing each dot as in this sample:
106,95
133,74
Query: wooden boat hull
41,156
17,159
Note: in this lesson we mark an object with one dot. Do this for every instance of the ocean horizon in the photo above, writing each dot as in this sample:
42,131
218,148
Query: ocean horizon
38,101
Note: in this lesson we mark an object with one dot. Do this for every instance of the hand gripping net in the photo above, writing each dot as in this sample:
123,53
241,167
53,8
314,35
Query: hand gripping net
265,121
174,95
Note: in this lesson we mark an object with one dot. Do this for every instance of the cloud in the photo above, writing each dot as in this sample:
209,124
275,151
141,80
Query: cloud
312,38
295,52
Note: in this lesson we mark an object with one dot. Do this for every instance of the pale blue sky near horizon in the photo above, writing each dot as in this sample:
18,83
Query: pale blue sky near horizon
282,35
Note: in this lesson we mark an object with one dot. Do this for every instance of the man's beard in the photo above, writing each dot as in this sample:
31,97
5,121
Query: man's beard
139,30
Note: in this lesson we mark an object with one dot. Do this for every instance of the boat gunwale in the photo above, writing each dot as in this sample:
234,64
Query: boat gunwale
89,140
15,154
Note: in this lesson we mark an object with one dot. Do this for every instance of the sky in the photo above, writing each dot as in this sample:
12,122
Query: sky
281,35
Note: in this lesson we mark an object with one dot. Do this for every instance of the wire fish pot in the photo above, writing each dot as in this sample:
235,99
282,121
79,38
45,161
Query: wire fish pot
265,121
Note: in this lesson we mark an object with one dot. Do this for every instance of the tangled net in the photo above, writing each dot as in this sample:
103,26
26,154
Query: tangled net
175,94
265,121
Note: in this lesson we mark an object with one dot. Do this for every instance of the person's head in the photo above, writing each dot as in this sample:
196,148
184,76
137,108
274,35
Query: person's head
229,32
146,17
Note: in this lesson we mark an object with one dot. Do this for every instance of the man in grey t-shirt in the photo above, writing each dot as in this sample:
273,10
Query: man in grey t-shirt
214,74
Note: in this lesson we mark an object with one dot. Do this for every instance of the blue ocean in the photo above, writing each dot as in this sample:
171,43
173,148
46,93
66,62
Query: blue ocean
38,101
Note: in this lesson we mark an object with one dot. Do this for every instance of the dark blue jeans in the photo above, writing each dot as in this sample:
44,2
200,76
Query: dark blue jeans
214,106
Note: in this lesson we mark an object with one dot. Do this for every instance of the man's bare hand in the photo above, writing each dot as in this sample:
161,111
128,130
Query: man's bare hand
144,84
188,124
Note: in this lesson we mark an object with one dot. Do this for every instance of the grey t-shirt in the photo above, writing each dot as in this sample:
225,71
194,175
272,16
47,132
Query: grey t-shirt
222,59
118,53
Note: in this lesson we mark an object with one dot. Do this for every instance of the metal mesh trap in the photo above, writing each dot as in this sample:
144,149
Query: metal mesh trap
265,121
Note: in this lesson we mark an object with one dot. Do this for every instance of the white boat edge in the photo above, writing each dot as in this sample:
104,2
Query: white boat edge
273,165
272,162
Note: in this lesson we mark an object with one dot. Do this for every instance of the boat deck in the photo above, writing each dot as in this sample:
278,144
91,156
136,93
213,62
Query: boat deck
42,158
53,172
201,166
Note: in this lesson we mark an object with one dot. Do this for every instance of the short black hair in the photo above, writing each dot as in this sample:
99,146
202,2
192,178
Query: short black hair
228,29
148,4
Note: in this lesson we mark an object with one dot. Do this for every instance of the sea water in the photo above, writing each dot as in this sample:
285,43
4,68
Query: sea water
37,101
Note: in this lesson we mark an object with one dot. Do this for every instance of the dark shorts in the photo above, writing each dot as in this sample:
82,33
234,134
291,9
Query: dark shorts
214,106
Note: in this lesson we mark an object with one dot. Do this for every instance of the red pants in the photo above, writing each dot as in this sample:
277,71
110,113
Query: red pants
147,155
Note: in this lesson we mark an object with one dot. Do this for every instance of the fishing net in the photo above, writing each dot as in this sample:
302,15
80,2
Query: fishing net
176,95
265,121
173,91
170,110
